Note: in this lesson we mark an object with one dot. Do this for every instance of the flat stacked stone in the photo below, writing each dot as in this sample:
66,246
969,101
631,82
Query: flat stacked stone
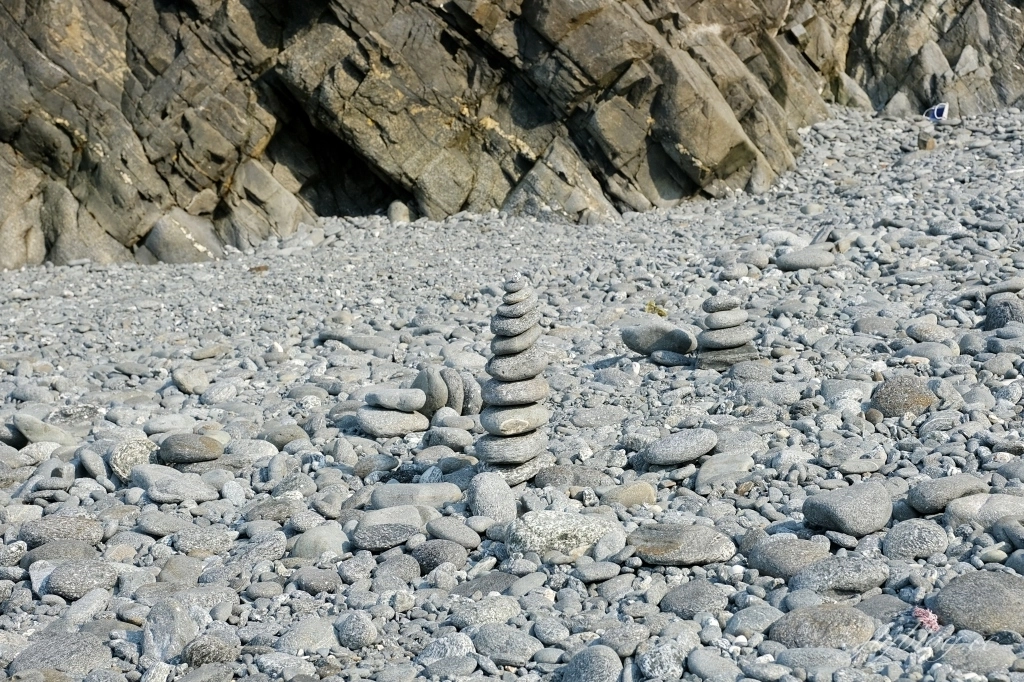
393,412
512,414
726,339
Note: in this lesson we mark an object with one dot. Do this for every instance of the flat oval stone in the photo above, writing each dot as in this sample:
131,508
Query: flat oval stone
186,448
527,305
513,297
681,447
519,367
658,335
510,345
512,449
673,544
500,393
513,421
725,319
514,326
720,302
401,399
983,601
857,510
826,625
434,495
801,259
382,423
721,339
515,282
543,531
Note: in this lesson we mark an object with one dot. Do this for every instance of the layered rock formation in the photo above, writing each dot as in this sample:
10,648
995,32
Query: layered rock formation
142,129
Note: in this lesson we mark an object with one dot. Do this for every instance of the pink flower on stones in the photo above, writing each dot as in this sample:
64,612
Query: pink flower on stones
928,620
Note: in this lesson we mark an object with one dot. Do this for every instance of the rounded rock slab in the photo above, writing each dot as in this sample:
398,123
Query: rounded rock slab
513,421
507,393
671,544
983,601
656,335
519,367
725,319
803,259
720,302
681,447
725,339
382,423
543,531
826,625
511,449
402,400
186,448
514,326
858,510
597,663
511,345
901,395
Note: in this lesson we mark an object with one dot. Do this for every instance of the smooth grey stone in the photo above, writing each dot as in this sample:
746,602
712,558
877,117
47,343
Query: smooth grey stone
757,618
433,553
624,639
54,527
382,423
817,661
315,541
630,494
76,654
512,297
520,308
506,393
511,345
490,609
595,663
883,607
980,658
168,629
725,319
383,529
519,367
782,557
453,381
693,597
813,258
719,303
548,530
673,544
1002,309
857,510
658,335
709,665
724,339
186,448
205,651
982,510
37,431
454,529
515,282
308,634
489,495
932,496
505,645
513,420
434,388
512,449
514,326
472,400
836,576
723,468
681,447
72,580
403,400
720,360
434,495
900,395
1009,529
983,601
450,645
826,625
914,539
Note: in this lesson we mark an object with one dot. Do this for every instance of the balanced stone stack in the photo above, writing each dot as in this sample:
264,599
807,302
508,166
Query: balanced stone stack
513,416
725,340
391,412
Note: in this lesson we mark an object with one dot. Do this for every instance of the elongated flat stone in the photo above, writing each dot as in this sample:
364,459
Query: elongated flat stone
673,544
510,345
519,367
725,319
513,326
513,421
401,399
502,393
511,450
527,305
721,339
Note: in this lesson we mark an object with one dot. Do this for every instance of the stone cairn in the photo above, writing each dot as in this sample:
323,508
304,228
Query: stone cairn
514,445
440,399
726,340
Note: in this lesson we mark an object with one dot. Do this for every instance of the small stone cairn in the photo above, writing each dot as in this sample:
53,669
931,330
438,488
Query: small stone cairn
440,399
726,340
513,416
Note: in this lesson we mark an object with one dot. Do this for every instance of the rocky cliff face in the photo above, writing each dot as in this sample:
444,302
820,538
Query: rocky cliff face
142,129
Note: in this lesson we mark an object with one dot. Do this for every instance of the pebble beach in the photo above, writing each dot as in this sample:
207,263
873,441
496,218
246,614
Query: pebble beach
771,438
